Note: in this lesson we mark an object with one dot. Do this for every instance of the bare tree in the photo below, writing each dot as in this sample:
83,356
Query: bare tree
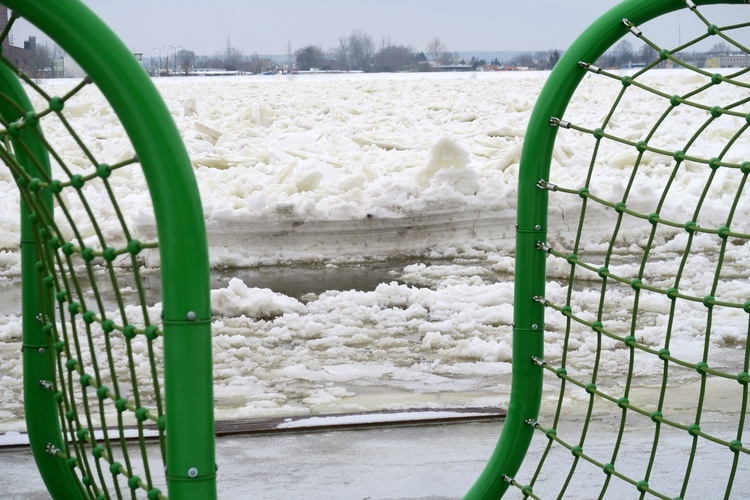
361,50
39,65
311,56
625,51
340,54
647,54
525,60
186,61
437,50
721,48
393,57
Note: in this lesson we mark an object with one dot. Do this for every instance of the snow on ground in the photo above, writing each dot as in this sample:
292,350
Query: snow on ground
419,170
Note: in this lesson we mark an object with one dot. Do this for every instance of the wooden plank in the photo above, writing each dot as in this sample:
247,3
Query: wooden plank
323,423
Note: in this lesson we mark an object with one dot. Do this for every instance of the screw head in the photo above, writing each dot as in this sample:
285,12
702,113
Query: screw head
538,227
534,326
41,350
191,316
193,472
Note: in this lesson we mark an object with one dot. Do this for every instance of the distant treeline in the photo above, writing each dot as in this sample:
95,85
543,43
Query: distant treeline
359,52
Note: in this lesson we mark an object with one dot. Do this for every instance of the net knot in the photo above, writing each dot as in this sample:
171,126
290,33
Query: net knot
151,332
134,482
142,414
153,494
102,392
77,181
129,332
134,247
56,104
103,171
115,468
88,254
121,404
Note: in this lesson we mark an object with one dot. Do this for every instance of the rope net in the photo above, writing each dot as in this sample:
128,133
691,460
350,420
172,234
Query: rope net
647,323
99,321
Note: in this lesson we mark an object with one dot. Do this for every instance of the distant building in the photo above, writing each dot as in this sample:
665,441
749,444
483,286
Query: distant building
20,56
734,61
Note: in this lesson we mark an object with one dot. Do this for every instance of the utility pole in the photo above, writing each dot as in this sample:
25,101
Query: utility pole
289,57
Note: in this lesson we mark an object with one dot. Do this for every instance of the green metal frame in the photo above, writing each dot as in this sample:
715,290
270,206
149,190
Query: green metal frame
191,469
528,331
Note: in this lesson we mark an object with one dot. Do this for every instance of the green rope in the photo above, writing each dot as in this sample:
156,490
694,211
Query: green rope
615,271
90,335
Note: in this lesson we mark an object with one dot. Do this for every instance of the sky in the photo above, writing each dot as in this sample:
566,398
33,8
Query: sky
268,27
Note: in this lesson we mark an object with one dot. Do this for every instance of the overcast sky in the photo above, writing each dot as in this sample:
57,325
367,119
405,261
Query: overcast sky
267,26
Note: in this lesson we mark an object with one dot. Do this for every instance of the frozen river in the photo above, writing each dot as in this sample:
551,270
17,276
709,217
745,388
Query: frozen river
361,233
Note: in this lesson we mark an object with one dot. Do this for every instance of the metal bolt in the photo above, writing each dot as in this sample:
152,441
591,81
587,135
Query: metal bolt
538,227
193,472
534,327
41,350
191,317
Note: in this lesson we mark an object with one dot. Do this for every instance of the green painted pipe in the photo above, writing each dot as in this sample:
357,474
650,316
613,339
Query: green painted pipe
181,230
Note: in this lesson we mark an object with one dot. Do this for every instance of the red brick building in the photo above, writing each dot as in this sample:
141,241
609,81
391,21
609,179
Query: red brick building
20,56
